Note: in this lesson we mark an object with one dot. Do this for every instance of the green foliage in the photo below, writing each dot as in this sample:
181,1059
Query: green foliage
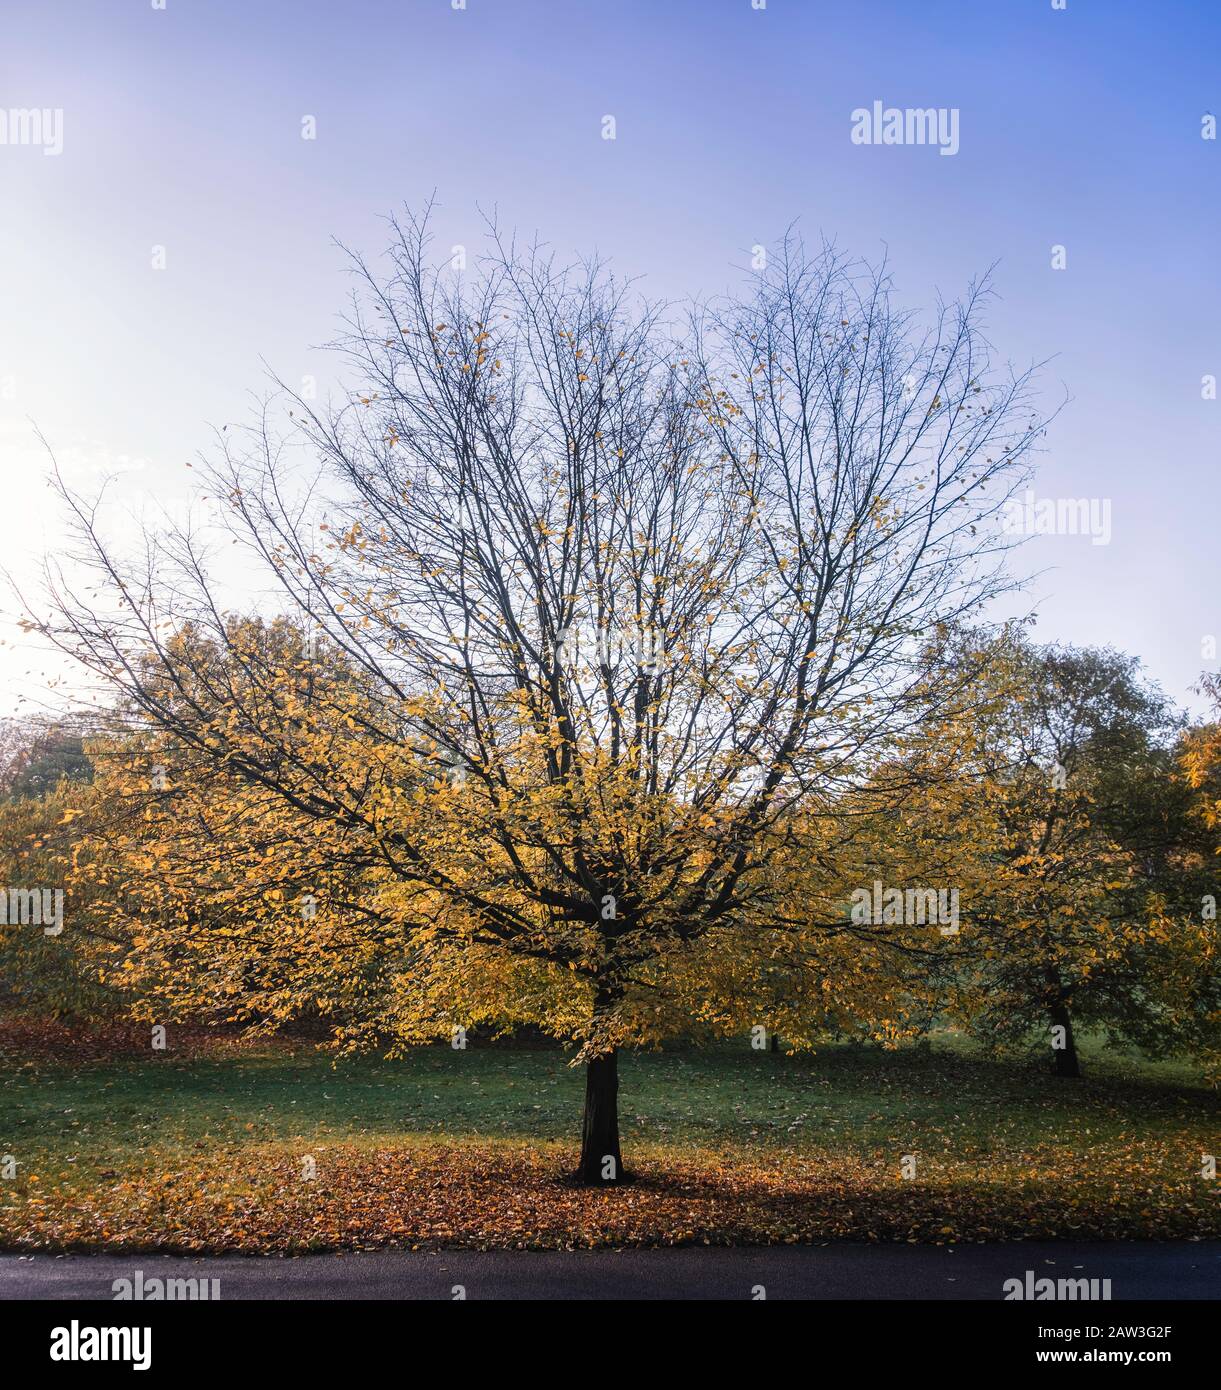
40,759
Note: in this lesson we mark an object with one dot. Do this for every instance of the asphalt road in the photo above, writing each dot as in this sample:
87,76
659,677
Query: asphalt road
1137,1270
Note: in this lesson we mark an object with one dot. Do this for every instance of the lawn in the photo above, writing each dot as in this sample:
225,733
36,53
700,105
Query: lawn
210,1149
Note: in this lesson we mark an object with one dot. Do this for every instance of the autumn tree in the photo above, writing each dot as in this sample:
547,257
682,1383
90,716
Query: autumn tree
1199,768
1065,823
51,952
1200,756
618,593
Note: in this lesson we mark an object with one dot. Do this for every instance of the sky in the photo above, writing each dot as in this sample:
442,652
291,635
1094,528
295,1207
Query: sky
171,235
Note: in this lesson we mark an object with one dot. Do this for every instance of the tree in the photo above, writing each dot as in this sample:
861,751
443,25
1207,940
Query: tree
51,951
36,757
1200,757
617,599
1199,765
15,738
1079,860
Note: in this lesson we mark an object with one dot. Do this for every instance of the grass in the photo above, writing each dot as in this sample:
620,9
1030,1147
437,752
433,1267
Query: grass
206,1150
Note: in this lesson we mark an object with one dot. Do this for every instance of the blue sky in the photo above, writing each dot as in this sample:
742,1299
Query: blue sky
181,128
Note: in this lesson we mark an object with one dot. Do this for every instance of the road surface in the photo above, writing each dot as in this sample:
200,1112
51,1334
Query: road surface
1137,1270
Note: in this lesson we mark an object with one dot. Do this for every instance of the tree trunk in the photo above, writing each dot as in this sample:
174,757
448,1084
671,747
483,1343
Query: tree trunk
775,1041
601,1163
1066,1056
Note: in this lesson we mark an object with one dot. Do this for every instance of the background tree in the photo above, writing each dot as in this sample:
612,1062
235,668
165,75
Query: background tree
1200,756
630,593
1078,856
15,739
52,973
36,755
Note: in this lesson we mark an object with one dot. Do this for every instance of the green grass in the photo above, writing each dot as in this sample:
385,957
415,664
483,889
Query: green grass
106,1116
205,1151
